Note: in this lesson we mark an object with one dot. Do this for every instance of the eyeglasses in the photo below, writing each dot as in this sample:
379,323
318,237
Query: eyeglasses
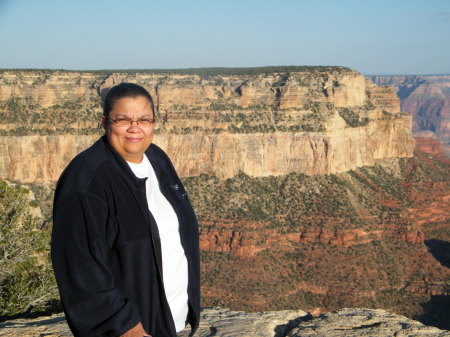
142,122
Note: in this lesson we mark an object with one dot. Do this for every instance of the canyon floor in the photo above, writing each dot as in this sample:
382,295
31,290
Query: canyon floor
374,237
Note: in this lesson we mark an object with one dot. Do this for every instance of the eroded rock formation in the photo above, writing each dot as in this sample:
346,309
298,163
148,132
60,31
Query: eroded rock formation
251,242
315,121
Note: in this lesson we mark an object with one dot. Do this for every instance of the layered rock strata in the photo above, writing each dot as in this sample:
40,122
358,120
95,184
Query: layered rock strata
249,243
316,121
336,85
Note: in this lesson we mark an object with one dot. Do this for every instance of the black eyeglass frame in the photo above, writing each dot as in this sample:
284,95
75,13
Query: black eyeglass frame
129,122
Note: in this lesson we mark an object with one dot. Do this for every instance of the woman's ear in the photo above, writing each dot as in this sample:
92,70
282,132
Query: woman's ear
102,122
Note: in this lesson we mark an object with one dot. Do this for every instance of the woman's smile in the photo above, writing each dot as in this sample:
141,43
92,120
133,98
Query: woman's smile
134,139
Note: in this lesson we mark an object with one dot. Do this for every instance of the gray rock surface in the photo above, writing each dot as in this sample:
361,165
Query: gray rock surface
48,326
225,323
217,322
363,322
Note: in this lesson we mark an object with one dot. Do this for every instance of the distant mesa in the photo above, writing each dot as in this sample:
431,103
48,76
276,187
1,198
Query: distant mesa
427,99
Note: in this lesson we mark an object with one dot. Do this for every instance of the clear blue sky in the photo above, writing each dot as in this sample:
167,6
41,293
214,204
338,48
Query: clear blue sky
373,37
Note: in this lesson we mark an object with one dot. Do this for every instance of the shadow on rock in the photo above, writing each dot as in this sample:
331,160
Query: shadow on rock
440,251
436,312
283,329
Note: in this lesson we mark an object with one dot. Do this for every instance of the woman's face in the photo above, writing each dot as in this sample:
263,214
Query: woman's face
130,141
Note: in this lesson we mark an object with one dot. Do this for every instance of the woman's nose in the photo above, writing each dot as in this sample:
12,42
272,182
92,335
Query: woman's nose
134,126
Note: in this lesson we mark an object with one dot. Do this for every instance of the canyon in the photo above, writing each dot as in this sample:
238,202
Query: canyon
309,187
371,237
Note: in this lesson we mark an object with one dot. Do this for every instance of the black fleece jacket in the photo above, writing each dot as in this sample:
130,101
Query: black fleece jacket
106,250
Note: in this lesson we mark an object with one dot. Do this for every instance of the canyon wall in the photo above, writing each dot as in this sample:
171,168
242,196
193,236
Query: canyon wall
317,120
39,159
42,158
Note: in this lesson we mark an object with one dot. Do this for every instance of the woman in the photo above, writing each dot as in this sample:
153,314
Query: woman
125,237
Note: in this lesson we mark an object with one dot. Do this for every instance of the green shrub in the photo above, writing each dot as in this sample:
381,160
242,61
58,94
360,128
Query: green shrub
352,118
26,279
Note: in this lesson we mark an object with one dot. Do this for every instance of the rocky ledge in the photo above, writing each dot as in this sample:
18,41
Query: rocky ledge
225,323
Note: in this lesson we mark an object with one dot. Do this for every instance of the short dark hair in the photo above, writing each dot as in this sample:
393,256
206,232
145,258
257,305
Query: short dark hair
125,90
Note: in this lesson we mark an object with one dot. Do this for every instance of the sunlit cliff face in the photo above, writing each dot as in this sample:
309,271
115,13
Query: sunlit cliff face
256,124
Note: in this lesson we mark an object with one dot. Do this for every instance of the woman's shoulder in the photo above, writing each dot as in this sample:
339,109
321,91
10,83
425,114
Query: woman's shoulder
90,158
83,167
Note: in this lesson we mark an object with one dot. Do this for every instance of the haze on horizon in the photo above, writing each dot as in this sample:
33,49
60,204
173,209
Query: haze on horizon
374,37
